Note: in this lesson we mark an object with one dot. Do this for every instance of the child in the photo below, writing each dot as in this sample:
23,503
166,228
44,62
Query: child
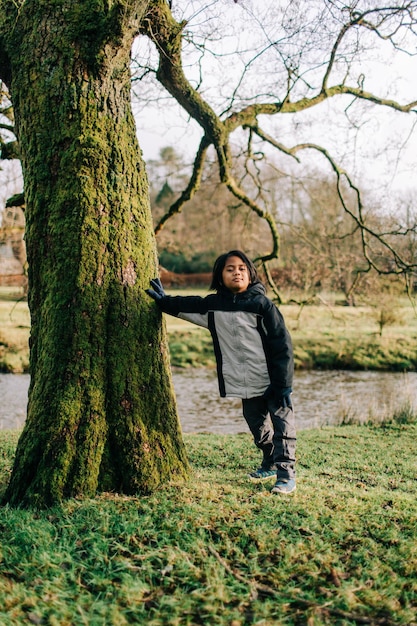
254,358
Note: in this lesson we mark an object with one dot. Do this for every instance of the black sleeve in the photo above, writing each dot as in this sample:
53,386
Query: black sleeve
174,305
279,347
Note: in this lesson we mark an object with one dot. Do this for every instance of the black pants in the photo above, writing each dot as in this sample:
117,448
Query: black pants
274,433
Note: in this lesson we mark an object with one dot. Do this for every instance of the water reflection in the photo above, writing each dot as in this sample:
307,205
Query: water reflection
13,399
320,398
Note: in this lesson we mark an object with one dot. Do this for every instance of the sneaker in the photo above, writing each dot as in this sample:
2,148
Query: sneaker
284,485
262,474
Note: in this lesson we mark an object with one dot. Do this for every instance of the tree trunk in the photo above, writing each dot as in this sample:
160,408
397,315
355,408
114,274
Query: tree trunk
101,414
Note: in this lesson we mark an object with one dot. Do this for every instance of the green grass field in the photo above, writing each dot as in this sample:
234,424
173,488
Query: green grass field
14,331
325,336
220,550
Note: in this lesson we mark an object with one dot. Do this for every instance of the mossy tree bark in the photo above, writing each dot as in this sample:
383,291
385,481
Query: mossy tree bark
101,412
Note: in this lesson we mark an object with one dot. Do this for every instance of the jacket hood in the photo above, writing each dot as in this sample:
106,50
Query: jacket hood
256,288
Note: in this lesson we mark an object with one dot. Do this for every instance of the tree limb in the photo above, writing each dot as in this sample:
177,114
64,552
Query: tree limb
160,26
192,186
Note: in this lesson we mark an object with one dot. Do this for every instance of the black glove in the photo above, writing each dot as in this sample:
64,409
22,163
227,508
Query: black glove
281,396
157,293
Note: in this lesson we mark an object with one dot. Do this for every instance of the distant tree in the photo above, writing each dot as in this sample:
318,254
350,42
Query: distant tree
386,316
321,247
213,219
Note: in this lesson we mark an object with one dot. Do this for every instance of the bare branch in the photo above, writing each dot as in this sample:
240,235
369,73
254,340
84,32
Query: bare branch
9,150
189,191
167,34
403,266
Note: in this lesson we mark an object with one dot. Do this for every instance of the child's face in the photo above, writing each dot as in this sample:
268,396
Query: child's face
235,275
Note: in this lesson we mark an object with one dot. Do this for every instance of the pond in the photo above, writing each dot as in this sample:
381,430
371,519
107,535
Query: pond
320,398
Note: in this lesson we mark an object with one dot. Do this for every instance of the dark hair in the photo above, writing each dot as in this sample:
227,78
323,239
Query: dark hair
219,265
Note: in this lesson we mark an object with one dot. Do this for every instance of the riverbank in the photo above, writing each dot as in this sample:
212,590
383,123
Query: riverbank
222,550
320,397
381,336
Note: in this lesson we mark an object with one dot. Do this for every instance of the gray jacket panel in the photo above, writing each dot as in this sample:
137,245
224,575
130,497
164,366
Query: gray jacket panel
251,343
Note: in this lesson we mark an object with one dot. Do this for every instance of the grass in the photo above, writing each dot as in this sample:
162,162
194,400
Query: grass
221,550
14,332
349,337
326,337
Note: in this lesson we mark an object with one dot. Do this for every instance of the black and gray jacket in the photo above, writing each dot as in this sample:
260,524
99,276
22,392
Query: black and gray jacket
251,343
